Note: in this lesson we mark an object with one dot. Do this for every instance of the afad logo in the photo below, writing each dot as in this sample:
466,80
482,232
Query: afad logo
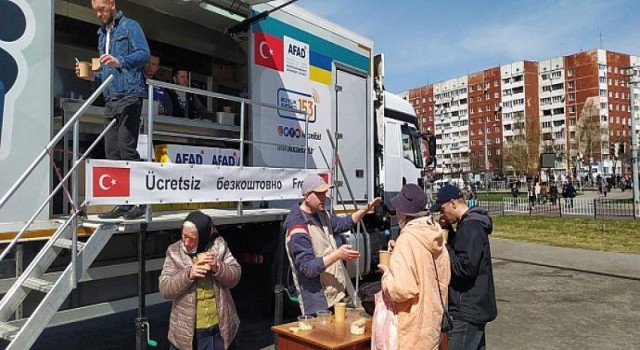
189,158
111,182
199,158
296,133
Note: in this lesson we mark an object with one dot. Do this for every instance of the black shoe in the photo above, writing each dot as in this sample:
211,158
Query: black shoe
135,212
116,212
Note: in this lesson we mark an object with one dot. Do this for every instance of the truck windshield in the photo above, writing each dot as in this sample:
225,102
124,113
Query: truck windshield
411,149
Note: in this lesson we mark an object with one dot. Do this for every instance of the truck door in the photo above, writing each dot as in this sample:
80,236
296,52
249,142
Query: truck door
352,122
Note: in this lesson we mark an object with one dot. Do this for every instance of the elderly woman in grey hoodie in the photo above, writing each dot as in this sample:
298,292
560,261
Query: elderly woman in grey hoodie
197,274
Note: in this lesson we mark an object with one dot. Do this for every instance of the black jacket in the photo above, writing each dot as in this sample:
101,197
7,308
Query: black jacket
195,108
471,292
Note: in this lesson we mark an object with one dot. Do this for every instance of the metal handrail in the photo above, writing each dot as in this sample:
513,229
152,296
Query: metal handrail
54,141
243,101
55,190
207,93
65,128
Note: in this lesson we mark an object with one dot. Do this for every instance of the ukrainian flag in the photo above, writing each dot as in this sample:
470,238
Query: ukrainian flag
320,68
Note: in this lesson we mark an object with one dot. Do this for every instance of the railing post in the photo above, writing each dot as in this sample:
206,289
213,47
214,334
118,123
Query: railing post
560,204
241,160
149,210
74,198
595,209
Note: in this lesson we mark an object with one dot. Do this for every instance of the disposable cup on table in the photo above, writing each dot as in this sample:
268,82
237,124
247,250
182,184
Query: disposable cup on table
304,322
340,311
324,317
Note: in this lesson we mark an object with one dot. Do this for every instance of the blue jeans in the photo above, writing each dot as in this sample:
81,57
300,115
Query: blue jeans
207,339
466,336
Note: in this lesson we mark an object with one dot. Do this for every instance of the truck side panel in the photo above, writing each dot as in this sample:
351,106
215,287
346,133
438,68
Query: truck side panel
26,74
293,60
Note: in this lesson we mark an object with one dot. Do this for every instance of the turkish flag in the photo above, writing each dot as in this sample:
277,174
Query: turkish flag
268,51
111,182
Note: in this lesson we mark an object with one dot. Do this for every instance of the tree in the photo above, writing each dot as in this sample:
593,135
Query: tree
589,130
515,152
532,140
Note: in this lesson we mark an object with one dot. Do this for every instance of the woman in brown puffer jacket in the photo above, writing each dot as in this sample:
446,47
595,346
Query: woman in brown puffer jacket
197,274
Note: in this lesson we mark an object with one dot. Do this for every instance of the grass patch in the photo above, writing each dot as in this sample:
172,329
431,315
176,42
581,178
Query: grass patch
612,235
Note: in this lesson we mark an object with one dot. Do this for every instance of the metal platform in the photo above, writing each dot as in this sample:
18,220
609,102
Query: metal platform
170,220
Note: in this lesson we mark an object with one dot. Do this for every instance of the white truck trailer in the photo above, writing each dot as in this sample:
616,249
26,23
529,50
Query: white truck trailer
298,83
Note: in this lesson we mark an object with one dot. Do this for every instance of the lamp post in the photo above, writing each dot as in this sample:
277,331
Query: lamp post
633,84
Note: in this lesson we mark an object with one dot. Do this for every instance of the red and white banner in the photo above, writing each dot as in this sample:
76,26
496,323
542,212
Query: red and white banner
121,182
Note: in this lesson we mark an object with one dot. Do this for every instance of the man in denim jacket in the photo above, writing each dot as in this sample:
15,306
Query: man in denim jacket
123,53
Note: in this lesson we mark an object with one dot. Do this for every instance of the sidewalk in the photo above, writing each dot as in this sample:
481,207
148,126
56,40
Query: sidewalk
603,263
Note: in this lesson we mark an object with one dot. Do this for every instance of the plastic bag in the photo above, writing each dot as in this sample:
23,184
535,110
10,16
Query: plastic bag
384,333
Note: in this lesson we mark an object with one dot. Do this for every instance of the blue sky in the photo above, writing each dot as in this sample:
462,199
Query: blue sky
427,41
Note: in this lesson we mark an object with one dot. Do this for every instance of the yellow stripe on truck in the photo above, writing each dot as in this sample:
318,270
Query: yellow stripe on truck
39,234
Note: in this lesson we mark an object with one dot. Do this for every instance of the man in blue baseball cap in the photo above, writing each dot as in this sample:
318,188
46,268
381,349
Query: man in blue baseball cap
472,300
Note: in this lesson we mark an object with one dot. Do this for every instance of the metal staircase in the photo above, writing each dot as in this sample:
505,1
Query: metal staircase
55,292
22,333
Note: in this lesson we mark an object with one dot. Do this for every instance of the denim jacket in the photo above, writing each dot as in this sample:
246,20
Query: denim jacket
129,45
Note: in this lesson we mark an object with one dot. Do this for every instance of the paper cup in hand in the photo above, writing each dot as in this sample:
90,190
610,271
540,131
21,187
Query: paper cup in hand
200,258
95,64
85,69
385,255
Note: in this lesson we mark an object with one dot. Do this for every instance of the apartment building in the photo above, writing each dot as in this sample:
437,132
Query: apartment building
479,116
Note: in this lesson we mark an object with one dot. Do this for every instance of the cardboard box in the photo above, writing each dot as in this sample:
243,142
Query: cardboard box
226,118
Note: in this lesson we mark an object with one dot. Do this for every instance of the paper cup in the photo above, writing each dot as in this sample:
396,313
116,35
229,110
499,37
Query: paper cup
95,64
385,255
200,257
340,309
85,69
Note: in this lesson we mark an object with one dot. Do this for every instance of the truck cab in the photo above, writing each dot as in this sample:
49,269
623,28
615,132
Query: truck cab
403,147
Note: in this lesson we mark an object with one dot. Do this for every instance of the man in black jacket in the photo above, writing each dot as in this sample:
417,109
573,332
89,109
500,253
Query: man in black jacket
472,301
184,104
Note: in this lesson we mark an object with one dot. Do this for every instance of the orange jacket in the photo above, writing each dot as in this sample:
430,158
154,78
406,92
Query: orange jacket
411,283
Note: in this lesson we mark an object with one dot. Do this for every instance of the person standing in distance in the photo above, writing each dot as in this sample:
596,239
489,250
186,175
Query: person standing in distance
472,300
312,236
123,53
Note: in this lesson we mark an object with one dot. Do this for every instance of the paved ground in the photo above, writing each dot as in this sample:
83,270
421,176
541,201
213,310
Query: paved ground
548,298
564,307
